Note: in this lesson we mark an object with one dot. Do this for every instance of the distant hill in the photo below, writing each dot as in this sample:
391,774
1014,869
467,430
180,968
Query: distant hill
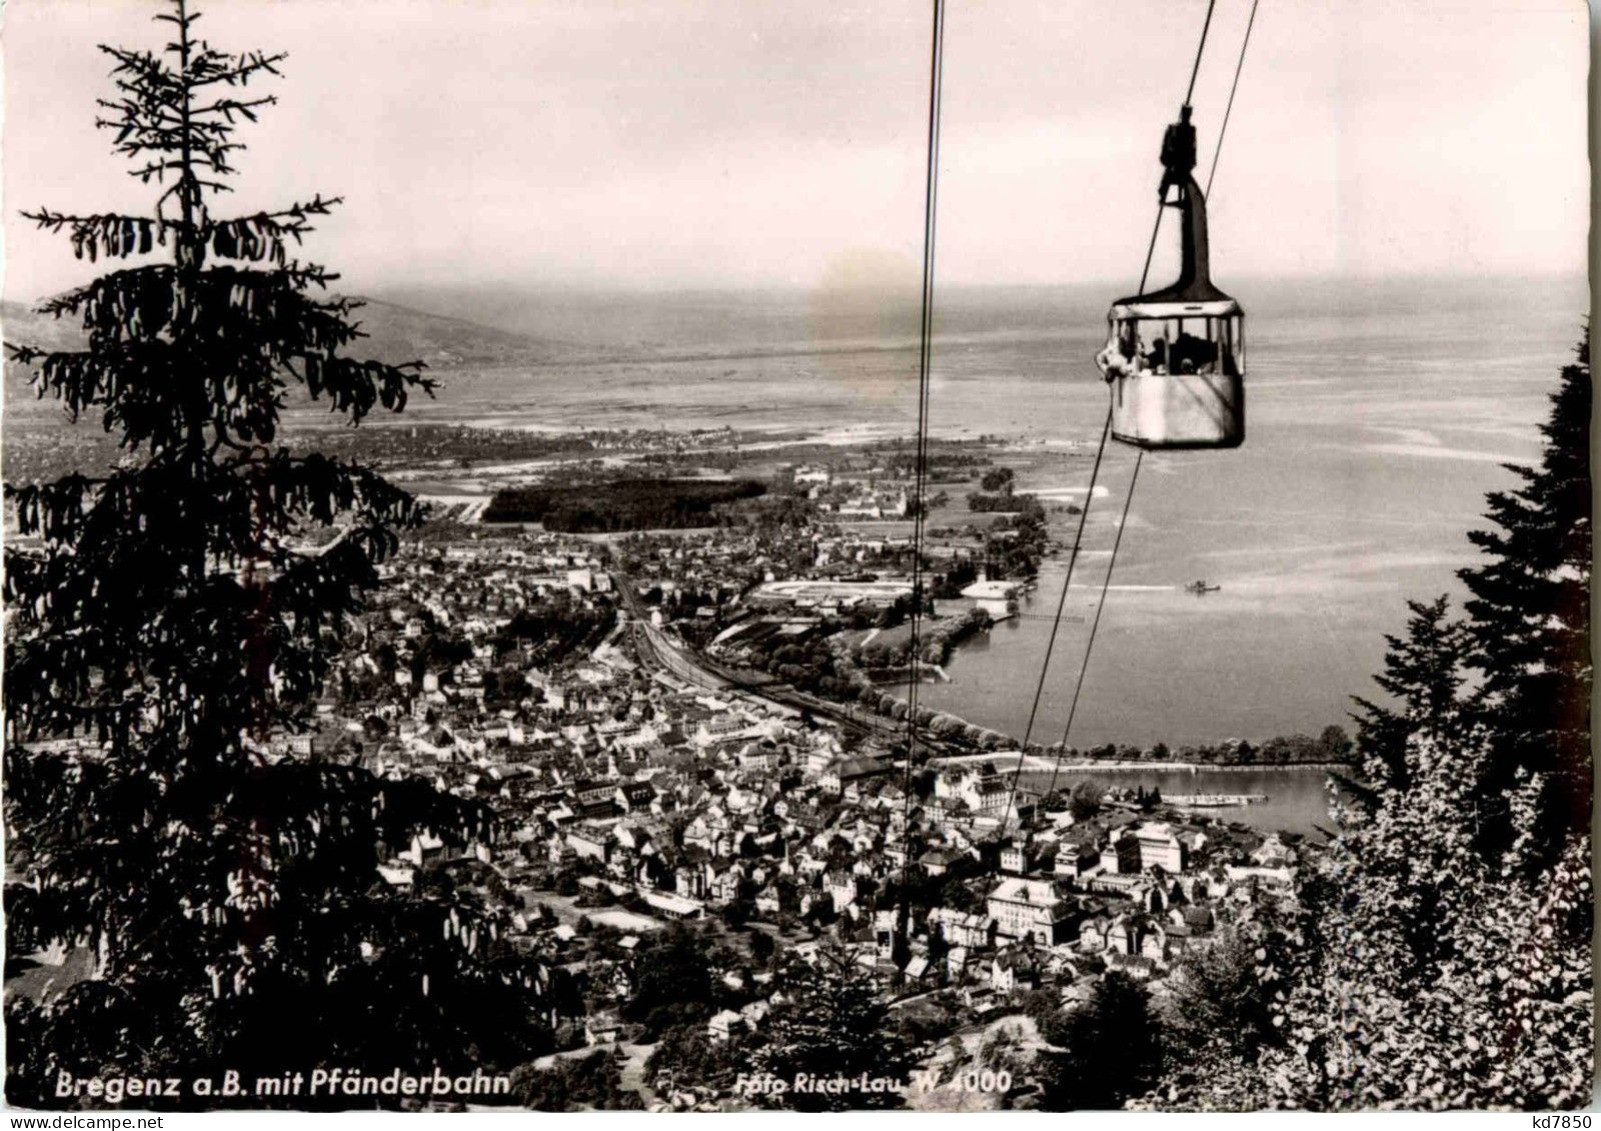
402,333
395,334
24,325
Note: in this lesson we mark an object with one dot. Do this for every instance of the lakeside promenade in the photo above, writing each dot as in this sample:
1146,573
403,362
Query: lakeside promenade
1039,762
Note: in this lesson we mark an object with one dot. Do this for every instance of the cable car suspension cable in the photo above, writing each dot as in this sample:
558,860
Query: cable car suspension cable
1229,109
1145,271
1072,560
1122,524
1199,48
1089,647
924,361
1195,71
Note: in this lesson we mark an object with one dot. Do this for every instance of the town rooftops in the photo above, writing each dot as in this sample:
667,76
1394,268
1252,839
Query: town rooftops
1015,889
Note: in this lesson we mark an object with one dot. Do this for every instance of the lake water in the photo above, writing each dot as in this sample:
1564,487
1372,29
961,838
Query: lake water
1376,426
1297,798
1378,417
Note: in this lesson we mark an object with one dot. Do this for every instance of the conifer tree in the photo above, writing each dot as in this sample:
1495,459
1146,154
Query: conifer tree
1423,672
1415,973
1440,954
171,614
1530,616
1111,1048
830,1023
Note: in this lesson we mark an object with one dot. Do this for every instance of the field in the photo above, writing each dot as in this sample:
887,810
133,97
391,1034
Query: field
624,920
625,504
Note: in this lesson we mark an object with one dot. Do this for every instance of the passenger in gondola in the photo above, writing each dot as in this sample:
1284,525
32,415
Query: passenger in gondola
1156,360
1119,357
1192,354
1112,363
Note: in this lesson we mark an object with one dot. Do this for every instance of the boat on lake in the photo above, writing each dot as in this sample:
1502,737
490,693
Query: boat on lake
1213,800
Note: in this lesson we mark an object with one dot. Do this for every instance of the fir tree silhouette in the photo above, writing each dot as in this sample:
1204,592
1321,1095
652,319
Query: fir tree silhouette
1530,618
169,615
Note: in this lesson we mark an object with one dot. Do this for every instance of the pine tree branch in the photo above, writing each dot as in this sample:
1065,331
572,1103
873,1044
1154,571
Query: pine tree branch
111,234
132,111
233,69
227,107
316,206
145,65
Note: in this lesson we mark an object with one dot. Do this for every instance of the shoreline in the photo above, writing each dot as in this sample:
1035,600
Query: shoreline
1038,763
766,437
1196,767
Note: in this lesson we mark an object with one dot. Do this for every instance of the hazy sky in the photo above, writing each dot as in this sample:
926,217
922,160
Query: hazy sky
718,143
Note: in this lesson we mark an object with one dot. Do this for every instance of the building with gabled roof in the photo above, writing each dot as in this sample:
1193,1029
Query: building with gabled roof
1031,909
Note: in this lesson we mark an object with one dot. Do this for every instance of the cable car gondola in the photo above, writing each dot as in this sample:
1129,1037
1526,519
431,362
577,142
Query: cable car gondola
1175,357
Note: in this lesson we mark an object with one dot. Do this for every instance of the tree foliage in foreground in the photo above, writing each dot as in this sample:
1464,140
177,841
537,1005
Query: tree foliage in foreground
1440,956
1221,1006
1521,653
170,614
1423,673
1431,977
592,1082
1414,975
1110,1048
1529,620
1417,972
830,1022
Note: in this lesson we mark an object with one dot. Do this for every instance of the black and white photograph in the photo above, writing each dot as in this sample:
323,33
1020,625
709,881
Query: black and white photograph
894,555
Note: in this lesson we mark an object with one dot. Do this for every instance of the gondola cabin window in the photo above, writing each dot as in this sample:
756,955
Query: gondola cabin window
1162,346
